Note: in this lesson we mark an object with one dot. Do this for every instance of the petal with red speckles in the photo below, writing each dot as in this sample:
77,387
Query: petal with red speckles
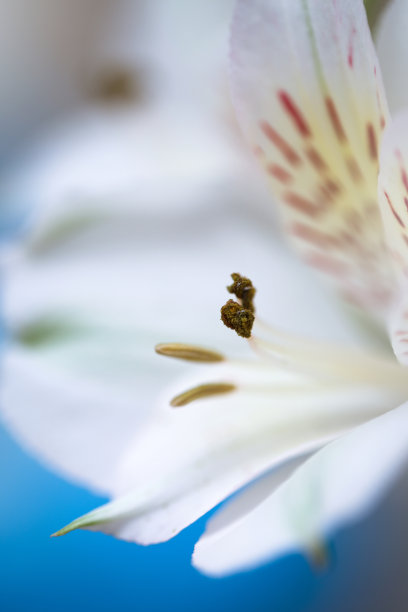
393,198
308,93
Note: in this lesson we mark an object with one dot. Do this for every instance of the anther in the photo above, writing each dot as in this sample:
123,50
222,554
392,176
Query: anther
188,352
238,318
201,392
244,290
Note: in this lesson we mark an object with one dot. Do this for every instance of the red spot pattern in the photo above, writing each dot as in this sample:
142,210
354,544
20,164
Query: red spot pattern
280,143
372,142
394,212
404,175
330,189
301,204
282,175
350,58
295,114
327,264
314,236
316,159
354,170
335,120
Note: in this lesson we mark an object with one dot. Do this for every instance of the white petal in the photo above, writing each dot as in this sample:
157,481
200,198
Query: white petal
393,197
392,48
309,96
336,486
76,424
192,458
254,494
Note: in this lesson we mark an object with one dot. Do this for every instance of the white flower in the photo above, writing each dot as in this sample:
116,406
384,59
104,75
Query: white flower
309,95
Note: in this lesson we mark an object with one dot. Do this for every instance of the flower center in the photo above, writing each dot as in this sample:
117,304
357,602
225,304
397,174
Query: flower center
306,365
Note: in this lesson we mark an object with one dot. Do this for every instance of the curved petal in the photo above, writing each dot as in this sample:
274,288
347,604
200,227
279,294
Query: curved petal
393,198
254,494
309,96
191,459
77,424
336,486
392,47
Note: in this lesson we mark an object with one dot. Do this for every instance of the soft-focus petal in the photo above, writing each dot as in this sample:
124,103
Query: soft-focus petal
309,95
392,47
254,494
193,458
77,424
336,486
393,197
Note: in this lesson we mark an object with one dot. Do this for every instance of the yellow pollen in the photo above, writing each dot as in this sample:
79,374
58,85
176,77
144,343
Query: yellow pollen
188,352
201,392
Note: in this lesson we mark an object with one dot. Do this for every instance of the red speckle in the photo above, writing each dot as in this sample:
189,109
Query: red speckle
282,175
351,48
394,212
404,178
301,204
354,170
314,236
295,114
372,142
280,143
327,264
331,188
316,159
404,175
335,120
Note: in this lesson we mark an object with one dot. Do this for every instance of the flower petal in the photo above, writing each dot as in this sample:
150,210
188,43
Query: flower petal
392,47
393,198
76,424
336,486
191,459
309,96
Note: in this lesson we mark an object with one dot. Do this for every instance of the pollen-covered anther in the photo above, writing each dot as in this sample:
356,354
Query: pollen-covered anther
244,290
188,352
238,318
202,392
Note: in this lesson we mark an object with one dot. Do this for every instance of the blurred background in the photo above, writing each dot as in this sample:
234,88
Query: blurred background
126,199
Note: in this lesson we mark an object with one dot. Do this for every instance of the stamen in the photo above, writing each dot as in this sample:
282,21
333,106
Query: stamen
240,316
188,352
244,290
201,392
